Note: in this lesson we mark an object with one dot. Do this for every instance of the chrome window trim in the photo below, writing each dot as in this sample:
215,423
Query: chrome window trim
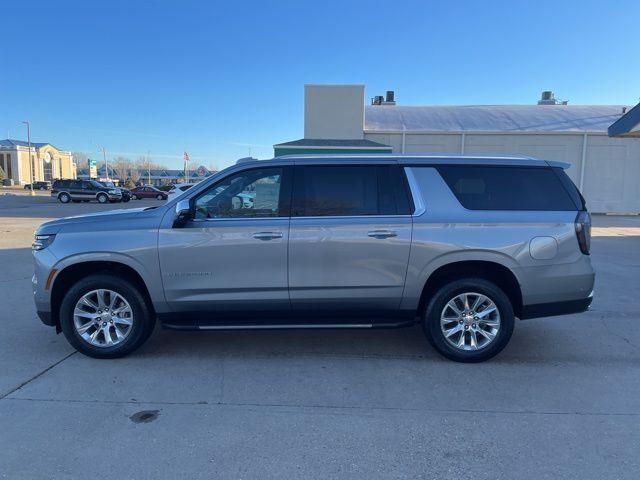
336,217
332,217
416,194
200,220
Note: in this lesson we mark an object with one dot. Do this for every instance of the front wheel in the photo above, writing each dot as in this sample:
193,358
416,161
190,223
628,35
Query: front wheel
159,197
105,316
102,198
125,199
469,320
64,198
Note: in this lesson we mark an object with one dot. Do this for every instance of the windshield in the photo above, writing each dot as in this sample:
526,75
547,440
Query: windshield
108,184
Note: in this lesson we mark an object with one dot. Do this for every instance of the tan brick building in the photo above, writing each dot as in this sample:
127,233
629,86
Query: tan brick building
49,162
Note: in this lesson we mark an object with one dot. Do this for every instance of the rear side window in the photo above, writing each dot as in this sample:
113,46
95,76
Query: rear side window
507,188
571,188
327,190
61,184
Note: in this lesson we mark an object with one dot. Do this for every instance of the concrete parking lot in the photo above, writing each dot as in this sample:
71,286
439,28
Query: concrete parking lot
562,401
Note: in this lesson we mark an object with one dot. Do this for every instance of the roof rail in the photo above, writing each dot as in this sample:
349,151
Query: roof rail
246,160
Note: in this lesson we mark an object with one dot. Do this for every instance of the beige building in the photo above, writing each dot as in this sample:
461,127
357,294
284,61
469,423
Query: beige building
607,170
49,163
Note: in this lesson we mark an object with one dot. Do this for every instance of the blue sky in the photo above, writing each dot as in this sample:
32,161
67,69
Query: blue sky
222,80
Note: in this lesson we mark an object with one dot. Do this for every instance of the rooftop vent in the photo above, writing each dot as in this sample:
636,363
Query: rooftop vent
548,98
390,99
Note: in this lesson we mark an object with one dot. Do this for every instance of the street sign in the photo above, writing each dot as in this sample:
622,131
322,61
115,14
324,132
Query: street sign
93,168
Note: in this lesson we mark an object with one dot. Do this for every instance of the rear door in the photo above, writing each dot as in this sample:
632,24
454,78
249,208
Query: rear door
349,244
75,189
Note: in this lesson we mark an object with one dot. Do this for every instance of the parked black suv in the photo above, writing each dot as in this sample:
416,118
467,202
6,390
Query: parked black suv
84,191
126,193
38,186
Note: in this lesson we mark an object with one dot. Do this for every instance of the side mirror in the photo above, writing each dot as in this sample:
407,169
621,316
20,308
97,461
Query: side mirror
183,213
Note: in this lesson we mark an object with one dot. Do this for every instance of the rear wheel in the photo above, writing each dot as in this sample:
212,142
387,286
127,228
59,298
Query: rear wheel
64,198
105,316
134,197
469,320
102,198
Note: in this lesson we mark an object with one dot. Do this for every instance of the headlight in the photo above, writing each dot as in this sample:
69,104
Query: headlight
42,241
114,192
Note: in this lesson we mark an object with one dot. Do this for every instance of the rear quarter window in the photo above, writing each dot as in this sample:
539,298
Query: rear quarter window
507,188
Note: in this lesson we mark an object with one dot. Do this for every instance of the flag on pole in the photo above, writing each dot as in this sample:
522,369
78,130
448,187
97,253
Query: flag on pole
186,168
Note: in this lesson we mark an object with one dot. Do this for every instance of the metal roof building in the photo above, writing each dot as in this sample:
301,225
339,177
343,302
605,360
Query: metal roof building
607,170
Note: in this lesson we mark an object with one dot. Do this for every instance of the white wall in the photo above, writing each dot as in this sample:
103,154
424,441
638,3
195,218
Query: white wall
334,111
611,182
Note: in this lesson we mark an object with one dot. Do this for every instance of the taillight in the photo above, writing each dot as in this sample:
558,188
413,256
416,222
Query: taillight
583,231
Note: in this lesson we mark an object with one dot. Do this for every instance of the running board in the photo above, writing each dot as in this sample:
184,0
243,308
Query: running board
170,326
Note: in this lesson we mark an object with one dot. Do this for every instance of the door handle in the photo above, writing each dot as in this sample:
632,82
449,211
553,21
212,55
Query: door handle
267,235
382,234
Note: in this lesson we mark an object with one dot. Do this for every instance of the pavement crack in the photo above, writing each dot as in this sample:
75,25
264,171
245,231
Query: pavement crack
37,375
334,408
617,335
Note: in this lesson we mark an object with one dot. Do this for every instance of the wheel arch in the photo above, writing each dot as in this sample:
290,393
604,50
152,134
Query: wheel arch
74,272
492,271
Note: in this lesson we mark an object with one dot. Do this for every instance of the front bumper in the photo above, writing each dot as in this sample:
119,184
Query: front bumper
46,318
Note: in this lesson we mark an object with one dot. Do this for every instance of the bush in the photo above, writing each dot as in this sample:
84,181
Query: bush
129,183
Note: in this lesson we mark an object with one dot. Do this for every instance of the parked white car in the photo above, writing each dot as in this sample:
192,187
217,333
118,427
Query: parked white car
178,190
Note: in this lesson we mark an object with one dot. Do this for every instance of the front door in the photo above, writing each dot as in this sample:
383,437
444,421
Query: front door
349,242
230,261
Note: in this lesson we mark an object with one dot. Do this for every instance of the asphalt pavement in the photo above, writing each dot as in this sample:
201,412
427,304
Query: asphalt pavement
562,400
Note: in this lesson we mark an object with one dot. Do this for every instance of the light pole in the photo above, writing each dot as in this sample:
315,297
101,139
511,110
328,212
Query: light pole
32,193
148,168
106,166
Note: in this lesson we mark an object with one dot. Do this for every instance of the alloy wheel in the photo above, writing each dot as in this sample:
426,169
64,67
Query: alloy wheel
103,318
470,321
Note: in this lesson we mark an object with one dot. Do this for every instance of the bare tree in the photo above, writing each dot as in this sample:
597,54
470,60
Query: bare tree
122,165
80,158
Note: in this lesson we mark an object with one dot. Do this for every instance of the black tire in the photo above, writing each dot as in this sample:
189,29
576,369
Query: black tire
102,198
125,199
143,318
159,197
437,303
64,198
134,197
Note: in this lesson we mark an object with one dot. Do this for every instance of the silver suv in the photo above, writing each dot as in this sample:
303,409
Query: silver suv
459,245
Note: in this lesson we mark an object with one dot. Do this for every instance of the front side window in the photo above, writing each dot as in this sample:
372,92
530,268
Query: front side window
345,190
249,194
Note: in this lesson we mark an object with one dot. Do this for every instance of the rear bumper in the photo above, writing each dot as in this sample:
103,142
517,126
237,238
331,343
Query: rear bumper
556,308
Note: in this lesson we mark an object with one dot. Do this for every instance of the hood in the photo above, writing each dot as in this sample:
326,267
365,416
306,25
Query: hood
54,226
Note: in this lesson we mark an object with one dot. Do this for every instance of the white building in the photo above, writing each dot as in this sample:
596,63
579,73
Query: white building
607,170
